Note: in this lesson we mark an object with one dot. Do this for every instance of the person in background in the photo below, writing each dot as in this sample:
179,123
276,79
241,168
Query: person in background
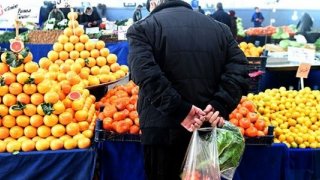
90,18
257,17
233,26
221,16
185,79
137,15
56,13
200,10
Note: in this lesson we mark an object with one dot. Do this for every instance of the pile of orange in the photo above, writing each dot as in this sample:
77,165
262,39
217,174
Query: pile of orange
251,123
119,109
250,50
78,59
37,113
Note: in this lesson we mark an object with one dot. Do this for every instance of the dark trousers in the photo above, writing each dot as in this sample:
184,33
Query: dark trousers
164,162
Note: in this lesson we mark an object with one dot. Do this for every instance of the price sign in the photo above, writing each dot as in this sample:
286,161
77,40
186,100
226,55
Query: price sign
303,70
301,54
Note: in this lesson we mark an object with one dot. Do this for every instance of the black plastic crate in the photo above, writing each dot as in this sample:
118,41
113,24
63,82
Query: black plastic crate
256,64
261,140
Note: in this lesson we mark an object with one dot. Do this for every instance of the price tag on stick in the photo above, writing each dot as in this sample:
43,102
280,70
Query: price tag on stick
303,72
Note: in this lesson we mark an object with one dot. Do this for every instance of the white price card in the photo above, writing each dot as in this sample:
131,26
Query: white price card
301,54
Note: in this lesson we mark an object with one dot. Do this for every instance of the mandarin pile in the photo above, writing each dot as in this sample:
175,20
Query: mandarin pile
77,59
38,113
250,50
295,115
119,109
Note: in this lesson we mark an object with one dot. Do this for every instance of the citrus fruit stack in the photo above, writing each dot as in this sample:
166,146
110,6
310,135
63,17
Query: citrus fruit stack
251,124
250,50
76,58
119,109
294,114
37,113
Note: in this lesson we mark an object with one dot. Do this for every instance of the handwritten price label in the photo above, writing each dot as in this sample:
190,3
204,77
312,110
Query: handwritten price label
303,70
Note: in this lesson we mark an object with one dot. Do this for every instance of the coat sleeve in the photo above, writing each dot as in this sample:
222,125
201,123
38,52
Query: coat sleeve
146,73
234,80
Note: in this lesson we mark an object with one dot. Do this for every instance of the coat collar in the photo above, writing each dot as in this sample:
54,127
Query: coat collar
170,4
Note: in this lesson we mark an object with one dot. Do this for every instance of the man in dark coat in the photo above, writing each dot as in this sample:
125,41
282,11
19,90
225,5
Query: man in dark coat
221,16
90,18
189,69
137,15
257,17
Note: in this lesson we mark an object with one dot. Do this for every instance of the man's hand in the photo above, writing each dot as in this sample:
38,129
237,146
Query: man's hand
194,119
213,116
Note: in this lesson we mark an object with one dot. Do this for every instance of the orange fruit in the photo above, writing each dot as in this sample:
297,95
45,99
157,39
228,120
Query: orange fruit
4,110
44,87
104,78
70,144
78,31
28,58
79,46
65,88
90,62
8,139
15,88
61,76
54,68
62,39
23,98
36,98
88,133
9,100
93,80
37,138
77,104
112,58
38,77
58,130
81,115
59,62
50,120
78,136
57,47
80,61
76,67
63,55
31,67
114,67
104,52
3,146
73,24
30,131
16,70
73,129
8,121
73,79
4,57
3,68
101,61
58,108
71,111
84,143
84,38
22,77
22,138
9,78
43,131
23,121
124,68
94,53
84,54
89,45
40,110
84,74
42,145
45,62
4,132
52,56
95,70
27,145
36,120
68,47
65,137
16,132
69,61
68,31
83,125
56,144
15,112
100,45
72,15
105,69
74,55
74,39
13,146
65,118
29,88
30,110
51,97
64,67
4,90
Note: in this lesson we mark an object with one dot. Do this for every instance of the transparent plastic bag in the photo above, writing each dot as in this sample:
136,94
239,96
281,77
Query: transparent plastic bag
230,143
201,161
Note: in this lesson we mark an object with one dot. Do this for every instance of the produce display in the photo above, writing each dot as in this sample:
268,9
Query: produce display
261,31
284,32
119,112
250,50
240,29
294,114
250,123
43,37
78,60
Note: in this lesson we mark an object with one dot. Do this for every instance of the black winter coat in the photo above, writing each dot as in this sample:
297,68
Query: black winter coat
223,17
181,58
